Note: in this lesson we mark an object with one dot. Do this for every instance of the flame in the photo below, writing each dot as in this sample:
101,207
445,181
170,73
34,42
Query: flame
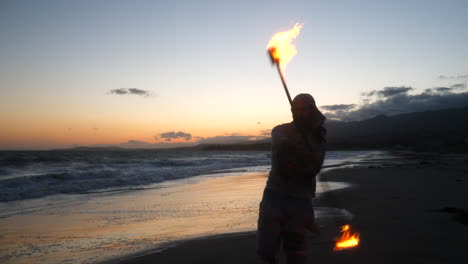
347,239
280,47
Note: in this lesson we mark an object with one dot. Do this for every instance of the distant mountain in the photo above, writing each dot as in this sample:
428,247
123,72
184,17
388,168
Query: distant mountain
441,131
84,148
262,144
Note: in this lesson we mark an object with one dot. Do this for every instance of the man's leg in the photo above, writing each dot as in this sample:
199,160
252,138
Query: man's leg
295,247
301,217
269,231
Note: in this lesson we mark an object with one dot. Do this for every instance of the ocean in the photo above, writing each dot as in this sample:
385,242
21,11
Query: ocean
68,206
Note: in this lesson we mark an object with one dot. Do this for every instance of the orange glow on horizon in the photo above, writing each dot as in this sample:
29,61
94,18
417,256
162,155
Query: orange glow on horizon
59,135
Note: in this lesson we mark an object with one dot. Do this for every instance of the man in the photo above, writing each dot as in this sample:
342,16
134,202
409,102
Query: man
286,212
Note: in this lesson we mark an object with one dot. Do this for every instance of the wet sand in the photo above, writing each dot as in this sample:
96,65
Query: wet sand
405,213
111,225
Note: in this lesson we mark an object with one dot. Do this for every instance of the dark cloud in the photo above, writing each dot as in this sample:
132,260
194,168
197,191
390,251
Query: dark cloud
458,77
119,91
435,90
440,89
458,86
138,91
168,136
402,102
135,91
338,107
388,91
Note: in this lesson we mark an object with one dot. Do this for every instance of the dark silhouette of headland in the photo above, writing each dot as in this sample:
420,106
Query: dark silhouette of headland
432,131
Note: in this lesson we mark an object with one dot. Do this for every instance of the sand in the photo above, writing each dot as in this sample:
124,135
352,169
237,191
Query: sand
405,213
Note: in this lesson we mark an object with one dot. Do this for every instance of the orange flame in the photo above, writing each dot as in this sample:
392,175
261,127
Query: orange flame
280,47
347,239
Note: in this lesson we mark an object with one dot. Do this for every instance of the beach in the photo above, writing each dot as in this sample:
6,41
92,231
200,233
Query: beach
89,207
404,205
411,212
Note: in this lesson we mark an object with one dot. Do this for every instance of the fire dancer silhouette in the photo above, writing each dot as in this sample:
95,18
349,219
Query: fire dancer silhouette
286,212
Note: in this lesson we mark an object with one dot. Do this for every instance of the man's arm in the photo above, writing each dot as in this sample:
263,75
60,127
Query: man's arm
294,157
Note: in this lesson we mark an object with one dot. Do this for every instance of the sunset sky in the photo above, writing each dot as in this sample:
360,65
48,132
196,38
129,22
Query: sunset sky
81,73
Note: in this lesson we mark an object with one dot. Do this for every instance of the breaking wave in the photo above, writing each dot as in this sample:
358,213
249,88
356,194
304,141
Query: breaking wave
26,175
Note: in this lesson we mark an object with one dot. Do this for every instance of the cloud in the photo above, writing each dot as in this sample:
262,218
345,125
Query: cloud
440,89
138,91
119,91
338,107
458,86
168,136
388,91
135,91
458,77
393,103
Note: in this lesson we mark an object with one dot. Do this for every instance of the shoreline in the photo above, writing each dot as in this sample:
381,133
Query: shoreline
112,225
404,212
322,213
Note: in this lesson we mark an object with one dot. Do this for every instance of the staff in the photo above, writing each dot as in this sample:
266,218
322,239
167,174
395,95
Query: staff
276,61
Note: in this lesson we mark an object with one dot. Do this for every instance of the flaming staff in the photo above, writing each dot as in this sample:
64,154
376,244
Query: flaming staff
281,51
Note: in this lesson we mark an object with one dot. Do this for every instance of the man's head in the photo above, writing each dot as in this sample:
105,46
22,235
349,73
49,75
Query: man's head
306,114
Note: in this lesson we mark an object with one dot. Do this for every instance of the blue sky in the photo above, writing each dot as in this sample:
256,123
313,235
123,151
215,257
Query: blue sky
204,63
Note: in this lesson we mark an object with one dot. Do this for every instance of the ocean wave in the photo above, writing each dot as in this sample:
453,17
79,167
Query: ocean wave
27,175
28,178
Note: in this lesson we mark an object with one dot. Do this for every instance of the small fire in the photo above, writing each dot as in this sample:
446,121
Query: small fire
280,47
347,239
